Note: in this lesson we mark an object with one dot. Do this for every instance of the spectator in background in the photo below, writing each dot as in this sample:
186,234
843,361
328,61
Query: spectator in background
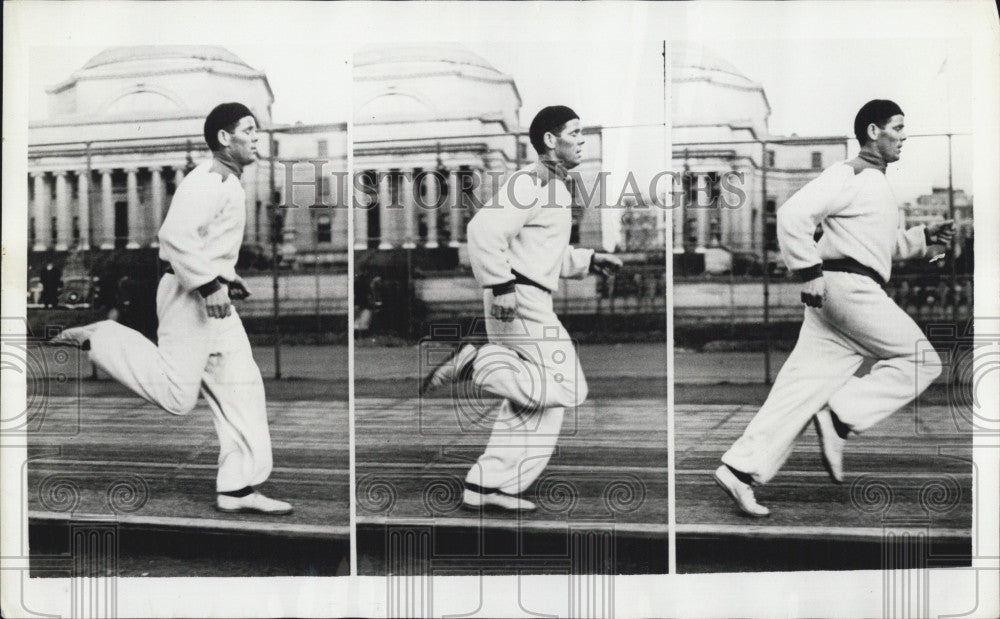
51,278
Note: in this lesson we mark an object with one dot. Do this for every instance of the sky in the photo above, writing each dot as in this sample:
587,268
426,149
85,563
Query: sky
616,86
815,87
310,83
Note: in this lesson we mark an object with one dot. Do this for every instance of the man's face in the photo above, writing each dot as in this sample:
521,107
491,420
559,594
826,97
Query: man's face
243,141
889,140
567,145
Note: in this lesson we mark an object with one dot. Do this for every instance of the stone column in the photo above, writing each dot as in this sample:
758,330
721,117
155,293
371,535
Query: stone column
132,193
454,208
64,222
702,227
157,200
107,212
385,215
406,189
433,183
253,187
43,220
83,206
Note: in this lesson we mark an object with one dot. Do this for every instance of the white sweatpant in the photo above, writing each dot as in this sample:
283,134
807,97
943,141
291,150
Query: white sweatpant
196,353
857,320
532,364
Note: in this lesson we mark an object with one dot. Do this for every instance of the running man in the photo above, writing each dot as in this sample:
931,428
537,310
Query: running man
202,345
519,248
848,316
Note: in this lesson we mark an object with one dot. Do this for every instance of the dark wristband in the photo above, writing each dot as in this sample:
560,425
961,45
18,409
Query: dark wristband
810,273
207,289
504,288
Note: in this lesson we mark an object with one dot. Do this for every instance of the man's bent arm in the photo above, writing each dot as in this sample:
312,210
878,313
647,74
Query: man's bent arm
576,263
799,216
489,236
182,235
910,243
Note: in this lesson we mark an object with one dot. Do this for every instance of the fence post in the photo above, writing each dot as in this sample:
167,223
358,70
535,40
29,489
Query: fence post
767,275
274,260
950,251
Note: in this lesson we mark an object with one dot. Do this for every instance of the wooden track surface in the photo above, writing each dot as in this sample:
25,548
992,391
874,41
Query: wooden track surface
609,470
120,458
913,470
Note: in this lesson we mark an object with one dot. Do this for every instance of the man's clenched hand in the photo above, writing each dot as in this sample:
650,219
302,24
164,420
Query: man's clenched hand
504,307
605,264
217,304
813,292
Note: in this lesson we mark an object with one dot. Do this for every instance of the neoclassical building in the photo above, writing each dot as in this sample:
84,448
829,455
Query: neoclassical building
121,133
439,125
123,130
720,124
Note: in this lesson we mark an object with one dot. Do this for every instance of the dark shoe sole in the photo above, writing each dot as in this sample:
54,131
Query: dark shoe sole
250,510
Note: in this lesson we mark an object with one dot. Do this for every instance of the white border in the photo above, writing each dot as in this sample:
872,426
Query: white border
846,594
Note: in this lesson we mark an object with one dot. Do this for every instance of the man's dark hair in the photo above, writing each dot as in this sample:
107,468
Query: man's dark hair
224,117
550,119
877,111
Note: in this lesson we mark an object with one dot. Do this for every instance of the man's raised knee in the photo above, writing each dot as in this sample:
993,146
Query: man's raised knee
180,402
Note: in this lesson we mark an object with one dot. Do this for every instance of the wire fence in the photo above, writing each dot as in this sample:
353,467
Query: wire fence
728,271
411,267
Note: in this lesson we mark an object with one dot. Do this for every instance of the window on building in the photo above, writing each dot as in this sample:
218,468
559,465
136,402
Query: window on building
817,160
466,184
324,229
770,158
374,223
324,189
395,179
688,188
714,191
277,225
522,151
322,149
444,212
31,232
76,229
771,225
54,231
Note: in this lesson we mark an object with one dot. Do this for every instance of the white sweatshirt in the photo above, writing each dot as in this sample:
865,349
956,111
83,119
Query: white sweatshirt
526,228
203,231
855,206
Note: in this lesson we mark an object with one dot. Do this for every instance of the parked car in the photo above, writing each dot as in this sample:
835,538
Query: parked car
77,292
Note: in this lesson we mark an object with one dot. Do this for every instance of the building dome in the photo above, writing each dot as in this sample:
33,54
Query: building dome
157,81
689,59
141,53
708,90
443,82
445,55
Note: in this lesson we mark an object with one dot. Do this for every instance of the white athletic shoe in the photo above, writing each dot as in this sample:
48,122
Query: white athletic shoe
76,336
831,445
253,503
450,370
741,493
476,500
